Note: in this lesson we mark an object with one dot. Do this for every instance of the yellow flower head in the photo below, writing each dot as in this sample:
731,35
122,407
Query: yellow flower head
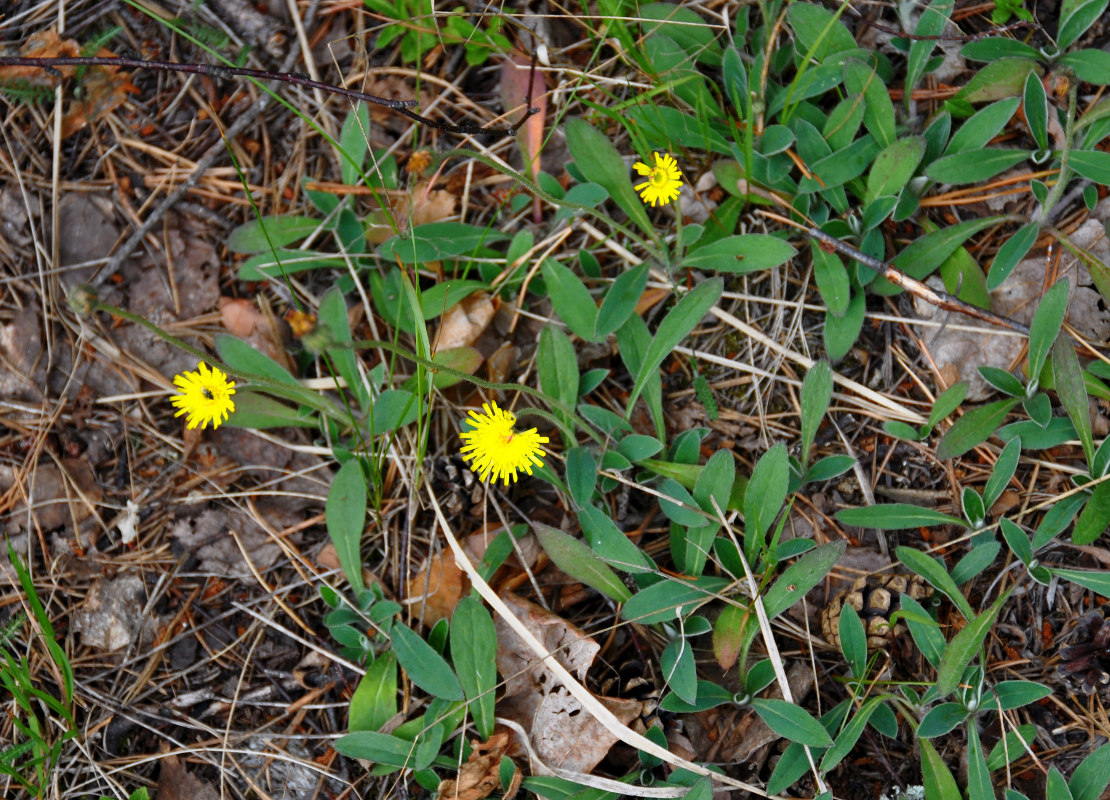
498,450
204,395
664,180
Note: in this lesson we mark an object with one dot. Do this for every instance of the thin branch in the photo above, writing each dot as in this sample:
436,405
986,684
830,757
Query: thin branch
219,71
940,299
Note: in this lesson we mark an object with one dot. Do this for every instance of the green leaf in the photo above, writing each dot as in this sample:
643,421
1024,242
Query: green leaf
728,635
1016,540
685,27
896,517
620,301
791,722
995,47
679,670
893,167
557,368
929,251
972,166
1003,470
1012,251
715,481
948,402
1076,16
580,562
1015,694
610,543
463,359
1045,327
934,572
976,560
853,641
795,761
1090,66
678,508
764,498
1068,377
832,280
841,332
682,319
332,315
741,254
1095,517
819,31
595,156
878,114
661,601
979,785
1096,580
801,576
259,411
572,300
938,781
380,748
424,666
1056,788
374,701
1091,777
998,79
352,143
633,341
287,262
393,409
983,126
1012,747
345,513
973,428
259,235
436,241
964,645
964,278
241,357
931,24
1035,102
847,738
581,474
926,634
473,652
942,718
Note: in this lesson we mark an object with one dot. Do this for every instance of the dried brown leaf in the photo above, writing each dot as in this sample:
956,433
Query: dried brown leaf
465,321
177,783
437,588
479,776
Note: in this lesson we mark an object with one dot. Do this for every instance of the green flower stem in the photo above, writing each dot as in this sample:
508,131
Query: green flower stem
540,193
304,396
432,366
314,400
1057,190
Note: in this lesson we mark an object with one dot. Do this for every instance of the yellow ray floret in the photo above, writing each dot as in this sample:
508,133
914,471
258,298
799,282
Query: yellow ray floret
664,180
494,449
204,395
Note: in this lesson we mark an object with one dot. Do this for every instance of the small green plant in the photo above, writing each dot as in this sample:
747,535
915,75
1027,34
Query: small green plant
32,756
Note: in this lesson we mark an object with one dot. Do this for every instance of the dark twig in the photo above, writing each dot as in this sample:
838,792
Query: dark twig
219,71
972,37
940,299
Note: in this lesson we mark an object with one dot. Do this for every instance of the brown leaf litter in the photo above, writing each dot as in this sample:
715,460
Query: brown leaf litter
963,345
564,734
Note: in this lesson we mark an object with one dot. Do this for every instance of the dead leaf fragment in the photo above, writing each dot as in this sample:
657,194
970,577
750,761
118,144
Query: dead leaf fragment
177,783
479,776
112,616
465,321
564,734
437,588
